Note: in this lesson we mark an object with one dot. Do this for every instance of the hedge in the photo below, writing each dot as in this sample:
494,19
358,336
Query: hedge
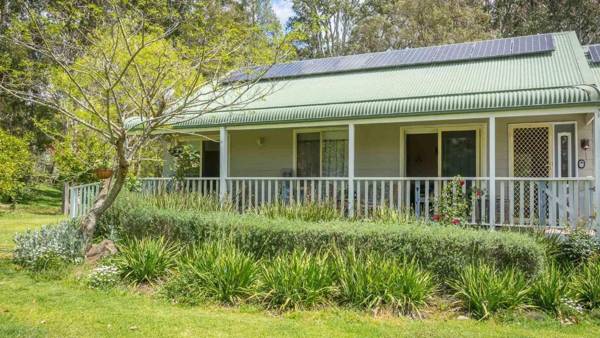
441,249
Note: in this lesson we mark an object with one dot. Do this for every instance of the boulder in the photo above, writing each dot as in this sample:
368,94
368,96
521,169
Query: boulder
100,250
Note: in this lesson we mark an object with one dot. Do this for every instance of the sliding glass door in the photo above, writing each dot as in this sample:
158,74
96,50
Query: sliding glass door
442,152
459,153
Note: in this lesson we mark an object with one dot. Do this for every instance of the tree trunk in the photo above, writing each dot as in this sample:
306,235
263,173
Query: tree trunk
109,190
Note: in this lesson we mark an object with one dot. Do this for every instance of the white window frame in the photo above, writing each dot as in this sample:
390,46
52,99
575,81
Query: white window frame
480,143
308,131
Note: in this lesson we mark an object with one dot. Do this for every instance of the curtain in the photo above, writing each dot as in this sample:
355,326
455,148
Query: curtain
335,154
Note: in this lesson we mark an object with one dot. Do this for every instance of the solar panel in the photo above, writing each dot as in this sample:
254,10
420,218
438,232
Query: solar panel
594,53
413,56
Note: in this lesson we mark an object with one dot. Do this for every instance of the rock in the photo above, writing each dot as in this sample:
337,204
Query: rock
462,318
100,250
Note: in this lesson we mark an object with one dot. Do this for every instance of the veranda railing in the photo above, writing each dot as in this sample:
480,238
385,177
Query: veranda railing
519,201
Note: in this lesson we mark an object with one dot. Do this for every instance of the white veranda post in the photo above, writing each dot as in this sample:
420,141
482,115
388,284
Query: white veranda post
351,169
223,156
596,146
492,170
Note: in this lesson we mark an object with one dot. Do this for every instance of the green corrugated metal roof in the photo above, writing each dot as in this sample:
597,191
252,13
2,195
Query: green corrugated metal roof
559,78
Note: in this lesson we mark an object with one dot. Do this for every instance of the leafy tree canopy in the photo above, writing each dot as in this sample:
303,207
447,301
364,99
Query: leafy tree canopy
15,166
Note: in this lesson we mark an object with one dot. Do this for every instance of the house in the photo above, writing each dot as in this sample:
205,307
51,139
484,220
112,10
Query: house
517,118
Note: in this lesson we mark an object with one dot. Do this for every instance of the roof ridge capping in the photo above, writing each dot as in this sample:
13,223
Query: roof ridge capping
465,51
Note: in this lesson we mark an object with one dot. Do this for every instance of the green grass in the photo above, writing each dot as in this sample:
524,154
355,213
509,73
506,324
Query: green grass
41,206
66,308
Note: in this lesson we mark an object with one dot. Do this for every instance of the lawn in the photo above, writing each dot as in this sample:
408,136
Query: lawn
30,307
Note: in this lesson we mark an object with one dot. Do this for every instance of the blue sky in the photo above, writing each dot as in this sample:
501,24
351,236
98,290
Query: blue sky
283,10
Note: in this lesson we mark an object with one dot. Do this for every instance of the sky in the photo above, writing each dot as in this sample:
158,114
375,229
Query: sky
283,10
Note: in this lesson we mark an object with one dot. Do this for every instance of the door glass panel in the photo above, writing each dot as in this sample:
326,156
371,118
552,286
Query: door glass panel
308,155
335,154
564,155
422,155
459,153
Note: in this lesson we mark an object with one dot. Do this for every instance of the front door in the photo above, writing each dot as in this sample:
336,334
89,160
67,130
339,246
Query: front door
210,159
530,150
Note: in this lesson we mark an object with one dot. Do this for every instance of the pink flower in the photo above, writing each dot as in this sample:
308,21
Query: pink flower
455,221
462,182
435,218
478,193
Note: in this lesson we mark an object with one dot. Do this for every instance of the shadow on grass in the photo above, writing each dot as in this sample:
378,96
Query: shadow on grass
39,200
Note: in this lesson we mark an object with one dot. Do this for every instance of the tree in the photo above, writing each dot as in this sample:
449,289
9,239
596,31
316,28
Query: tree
260,13
15,166
130,78
395,24
524,17
324,27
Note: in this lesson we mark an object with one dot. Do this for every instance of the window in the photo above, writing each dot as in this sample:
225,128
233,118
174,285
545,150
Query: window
322,153
564,154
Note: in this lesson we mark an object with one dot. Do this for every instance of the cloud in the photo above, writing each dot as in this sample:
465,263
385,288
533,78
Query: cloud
283,10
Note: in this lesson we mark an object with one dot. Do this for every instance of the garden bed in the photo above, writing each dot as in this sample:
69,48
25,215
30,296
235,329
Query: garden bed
442,249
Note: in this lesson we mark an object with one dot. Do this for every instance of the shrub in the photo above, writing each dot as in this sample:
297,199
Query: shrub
297,280
311,211
103,277
180,201
586,285
49,247
551,243
216,271
442,250
452,204
578,247
15,166
385,214
372,281
549,290
483,290
145,260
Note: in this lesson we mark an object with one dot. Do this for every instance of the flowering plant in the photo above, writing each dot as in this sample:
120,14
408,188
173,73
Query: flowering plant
452,205
103,277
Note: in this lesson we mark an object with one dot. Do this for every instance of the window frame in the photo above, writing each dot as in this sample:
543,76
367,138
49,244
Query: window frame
480,143
553,151
569,154
321,131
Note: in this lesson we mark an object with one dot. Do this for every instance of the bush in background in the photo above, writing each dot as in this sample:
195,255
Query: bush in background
578,247
311,211
49,247
145,260
483,290
16,164
442,250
